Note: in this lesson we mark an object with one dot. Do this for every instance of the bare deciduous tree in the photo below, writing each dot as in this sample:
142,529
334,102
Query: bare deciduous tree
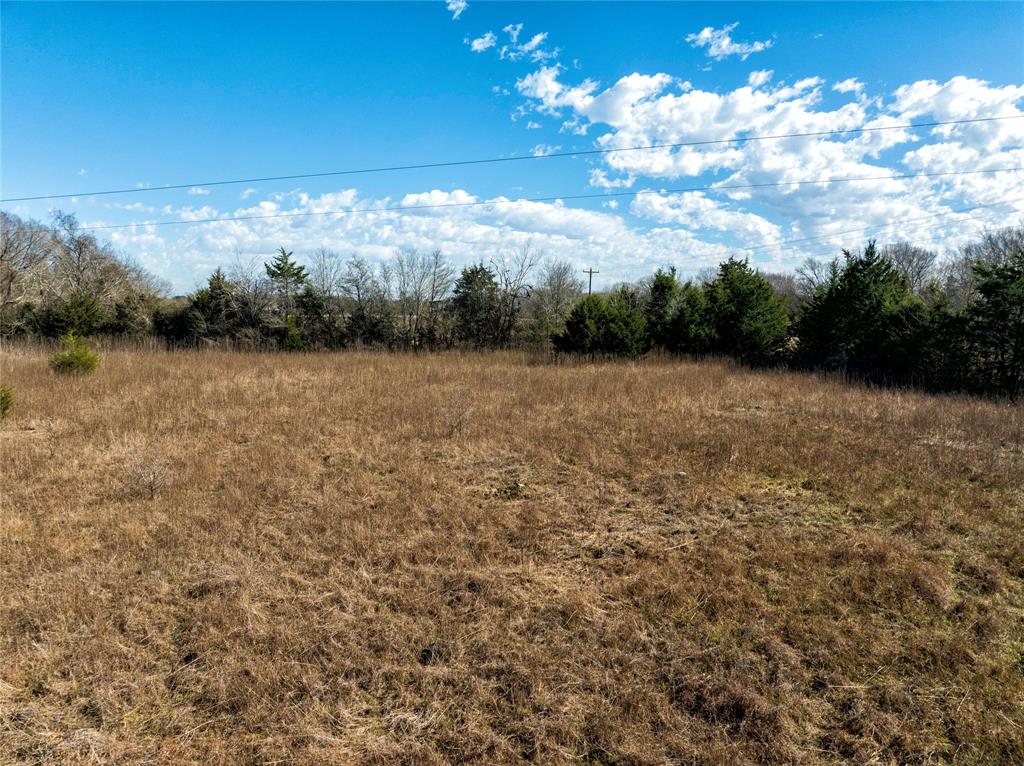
358,282
552,299
326,272
252,295
956,275
81,265
786,288
512,273
812,274
442,277
917,264
411,274
25,247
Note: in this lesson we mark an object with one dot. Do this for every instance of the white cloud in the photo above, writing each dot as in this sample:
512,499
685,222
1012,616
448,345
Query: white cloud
533,42
691,230
457,7
513,50
599,177
135,207
432,199
246,193
81,171
695,210
198,191
720,44
186,255
544,150
849,85
655,109
551,95
482,43
688,227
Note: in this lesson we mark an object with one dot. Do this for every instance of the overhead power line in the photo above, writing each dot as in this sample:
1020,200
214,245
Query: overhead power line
521,158
601,195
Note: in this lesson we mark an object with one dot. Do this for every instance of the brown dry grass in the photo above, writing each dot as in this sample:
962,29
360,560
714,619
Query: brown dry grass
220,558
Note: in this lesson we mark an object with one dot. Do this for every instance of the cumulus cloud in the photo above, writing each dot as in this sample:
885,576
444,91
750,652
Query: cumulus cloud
198,191
849,85
435,198
720,45
482,43
686,226
550,95
657,109
349,223
544,150
695,210
456,7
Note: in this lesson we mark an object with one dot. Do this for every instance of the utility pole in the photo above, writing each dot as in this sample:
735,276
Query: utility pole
590,284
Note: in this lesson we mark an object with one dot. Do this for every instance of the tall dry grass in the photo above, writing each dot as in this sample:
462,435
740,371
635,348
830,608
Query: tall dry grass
220,558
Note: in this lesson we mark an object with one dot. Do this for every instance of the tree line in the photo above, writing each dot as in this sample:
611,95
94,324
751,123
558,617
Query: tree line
892,314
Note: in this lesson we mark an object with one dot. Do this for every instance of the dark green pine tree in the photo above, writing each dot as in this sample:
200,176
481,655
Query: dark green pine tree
584,327
475,307
865,320
661,306
996,326
746,319
287,276
210,309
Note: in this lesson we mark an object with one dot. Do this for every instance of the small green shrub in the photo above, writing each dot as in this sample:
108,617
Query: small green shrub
6,401
293,340
75,357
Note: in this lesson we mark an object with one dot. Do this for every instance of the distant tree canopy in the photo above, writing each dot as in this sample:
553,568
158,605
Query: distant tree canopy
58,278
895,314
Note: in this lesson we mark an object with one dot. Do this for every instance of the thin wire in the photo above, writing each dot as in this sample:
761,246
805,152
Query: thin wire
458,163
602,195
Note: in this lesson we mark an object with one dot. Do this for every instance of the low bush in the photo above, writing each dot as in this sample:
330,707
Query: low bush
75,357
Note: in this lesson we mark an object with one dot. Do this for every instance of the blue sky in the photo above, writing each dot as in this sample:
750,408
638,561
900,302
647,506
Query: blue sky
100,96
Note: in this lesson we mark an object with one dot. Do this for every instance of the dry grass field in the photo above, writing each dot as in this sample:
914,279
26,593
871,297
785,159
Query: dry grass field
219,558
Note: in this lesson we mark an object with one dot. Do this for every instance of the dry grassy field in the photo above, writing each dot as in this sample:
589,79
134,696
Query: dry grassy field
227,558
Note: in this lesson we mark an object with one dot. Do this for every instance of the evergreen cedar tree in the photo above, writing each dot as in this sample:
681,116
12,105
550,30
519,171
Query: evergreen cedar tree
286,275
864,318
746,319
476,308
